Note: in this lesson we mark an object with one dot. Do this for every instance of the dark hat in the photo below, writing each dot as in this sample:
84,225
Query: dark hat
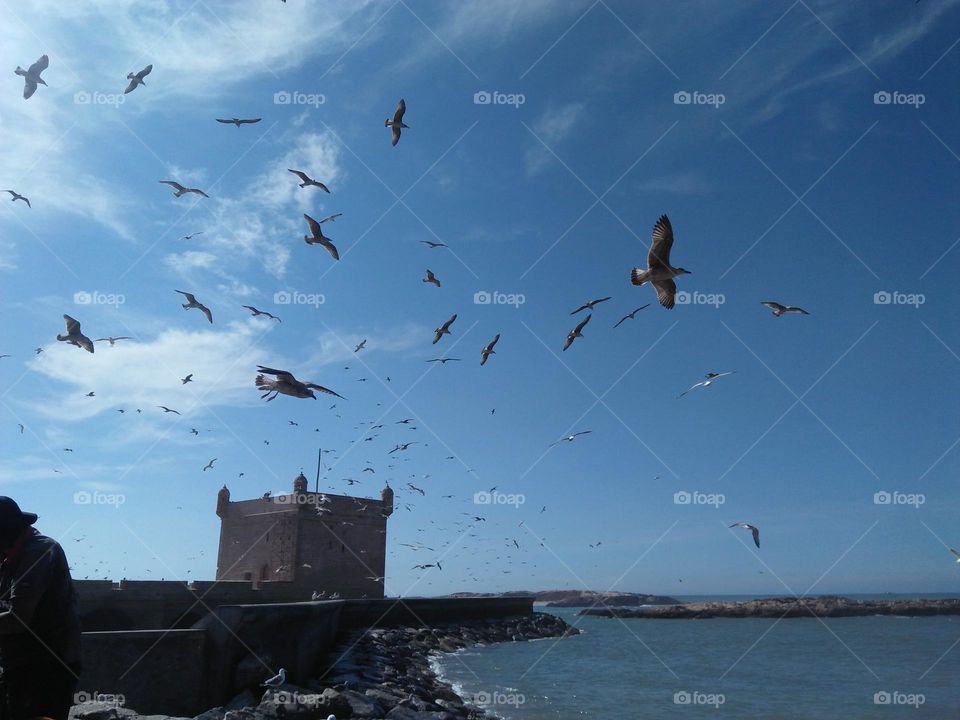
10,514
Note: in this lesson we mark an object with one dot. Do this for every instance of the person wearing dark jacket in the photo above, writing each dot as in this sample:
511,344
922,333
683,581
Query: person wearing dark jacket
39,624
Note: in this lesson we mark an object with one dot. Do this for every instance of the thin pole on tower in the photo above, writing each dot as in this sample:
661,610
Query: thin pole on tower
319,456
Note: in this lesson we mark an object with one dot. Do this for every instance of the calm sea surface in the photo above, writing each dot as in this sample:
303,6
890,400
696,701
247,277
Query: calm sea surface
844,668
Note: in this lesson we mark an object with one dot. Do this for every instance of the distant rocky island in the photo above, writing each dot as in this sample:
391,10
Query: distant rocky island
787,607
581,598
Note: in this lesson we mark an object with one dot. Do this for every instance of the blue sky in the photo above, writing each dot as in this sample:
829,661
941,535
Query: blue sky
785,179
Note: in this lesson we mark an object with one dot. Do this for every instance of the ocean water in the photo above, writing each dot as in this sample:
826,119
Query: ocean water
840,668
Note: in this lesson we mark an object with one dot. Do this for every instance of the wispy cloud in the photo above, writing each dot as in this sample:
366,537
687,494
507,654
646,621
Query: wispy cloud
551,128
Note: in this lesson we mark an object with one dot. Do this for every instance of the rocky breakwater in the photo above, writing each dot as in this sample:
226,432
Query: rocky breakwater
788,607
377,673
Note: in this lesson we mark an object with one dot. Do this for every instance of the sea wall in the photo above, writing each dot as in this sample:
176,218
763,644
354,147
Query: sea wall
185,672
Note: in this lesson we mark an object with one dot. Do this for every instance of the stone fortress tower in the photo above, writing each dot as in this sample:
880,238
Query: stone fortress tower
317,542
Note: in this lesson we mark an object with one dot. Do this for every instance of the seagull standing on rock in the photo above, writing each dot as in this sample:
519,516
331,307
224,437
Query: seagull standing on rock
659,273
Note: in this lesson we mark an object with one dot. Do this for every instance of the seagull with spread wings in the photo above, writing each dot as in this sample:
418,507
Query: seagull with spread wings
238,121
752,529
443,329
570,438
137,79
630,315
112,340
434,244
31,76
589,305
488,349
659,272
180,189
779,309
318,238
576,332
286,384
397,122
254,312
74,336
431,278
192,302
306,180
711,378
18,196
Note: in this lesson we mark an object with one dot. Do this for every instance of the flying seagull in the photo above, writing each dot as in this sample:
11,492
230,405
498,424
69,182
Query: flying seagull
444,361
779,309
711,378
18,196
74,336
287,384
168,410
137,79
256,312
589,305
396,123
443,329
112,340
209,465
629,316
751,528
360,346
319,238
191,235
330,218
434,244
659,273
431,278
570,438
239,121
188,378
488,349
307,180
180,189
31,77
575,333
192,303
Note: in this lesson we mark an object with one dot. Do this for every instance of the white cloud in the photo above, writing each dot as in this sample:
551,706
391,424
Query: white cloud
681,183
551,128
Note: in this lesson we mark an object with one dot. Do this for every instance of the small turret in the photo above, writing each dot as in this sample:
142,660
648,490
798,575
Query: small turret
300,484
223,501
386,496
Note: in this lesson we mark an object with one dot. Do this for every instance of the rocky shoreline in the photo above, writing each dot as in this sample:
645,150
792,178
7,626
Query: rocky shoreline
788,607
379,673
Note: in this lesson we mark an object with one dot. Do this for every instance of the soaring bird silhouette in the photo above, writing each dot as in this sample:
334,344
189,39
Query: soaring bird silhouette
752,529
31,77
630,315
180,189
576,332
318,238
443,329
711,378
192,302
285,383
434,244
255,312
659,272
396,123
431,278
589,305
137,79
779,309
488,349
307,180
18,196
74,336
112,340
239,121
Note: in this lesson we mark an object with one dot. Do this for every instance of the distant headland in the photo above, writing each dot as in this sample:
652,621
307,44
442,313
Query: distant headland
581,598
787,607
